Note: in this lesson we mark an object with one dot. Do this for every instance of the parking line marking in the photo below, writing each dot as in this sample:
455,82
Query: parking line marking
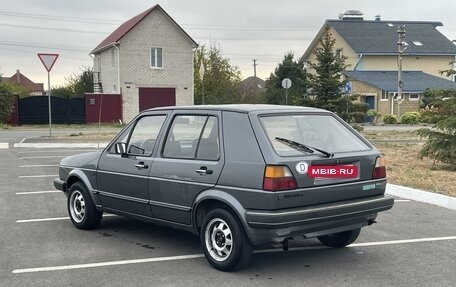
431,239
37,192
192,256
39,165
108,263
402,200
36,157
43,175
56,151
52,219
4,145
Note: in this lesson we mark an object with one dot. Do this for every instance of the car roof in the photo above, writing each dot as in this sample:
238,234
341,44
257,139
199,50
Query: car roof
242,108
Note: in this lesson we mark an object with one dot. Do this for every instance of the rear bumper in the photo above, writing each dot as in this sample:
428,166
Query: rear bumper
316,220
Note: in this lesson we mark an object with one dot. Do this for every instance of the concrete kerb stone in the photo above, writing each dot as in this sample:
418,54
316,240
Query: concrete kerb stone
422,196
24,144
60,145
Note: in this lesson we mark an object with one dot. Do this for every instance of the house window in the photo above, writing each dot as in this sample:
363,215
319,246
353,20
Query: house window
384,97
414,97
339,53
392,95
156,58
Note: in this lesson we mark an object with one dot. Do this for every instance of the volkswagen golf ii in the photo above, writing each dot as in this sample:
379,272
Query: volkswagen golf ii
238,176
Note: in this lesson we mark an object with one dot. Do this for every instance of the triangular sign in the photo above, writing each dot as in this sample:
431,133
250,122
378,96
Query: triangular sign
48,60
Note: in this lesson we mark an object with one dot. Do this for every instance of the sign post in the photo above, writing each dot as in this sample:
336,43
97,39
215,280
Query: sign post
48,61
286,84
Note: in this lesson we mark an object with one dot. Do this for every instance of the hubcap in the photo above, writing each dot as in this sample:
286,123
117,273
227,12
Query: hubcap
77,206
218,238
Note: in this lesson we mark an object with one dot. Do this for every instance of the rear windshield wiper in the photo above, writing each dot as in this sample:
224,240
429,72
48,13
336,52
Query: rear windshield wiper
303,147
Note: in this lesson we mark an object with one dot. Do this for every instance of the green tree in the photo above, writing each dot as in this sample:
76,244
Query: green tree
326,80
76,85
441,140
221,79
7,92
295,71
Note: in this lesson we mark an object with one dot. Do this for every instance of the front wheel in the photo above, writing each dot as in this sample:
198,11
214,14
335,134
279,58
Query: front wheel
223,239
340,239
81,208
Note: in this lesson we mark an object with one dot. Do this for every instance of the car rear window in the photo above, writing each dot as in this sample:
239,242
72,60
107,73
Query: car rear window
323,132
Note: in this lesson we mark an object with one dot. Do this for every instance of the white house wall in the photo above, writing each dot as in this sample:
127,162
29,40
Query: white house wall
155,30
106,63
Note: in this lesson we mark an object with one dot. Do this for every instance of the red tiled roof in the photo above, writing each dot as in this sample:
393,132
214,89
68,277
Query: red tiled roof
123,29
25,82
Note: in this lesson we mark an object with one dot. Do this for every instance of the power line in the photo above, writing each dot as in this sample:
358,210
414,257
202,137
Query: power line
54,29
189,26
31,45
61,18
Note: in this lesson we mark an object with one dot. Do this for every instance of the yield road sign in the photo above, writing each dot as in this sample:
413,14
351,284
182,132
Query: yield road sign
48,60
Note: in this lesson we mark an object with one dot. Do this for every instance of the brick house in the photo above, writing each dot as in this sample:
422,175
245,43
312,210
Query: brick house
148,60
372,55
34,89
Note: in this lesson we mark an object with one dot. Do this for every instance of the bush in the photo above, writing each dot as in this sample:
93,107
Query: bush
427,115
6,102
373,114
390,120
358,128
441,140
411,118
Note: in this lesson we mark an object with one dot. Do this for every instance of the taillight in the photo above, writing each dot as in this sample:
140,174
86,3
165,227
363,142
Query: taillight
379,169
278,178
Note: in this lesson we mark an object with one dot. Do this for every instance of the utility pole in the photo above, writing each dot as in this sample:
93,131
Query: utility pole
254,67
401,47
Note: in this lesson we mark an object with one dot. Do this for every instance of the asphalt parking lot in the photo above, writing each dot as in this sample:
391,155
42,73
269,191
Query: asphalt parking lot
414,244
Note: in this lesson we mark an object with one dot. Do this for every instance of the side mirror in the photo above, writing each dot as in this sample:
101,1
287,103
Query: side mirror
121,148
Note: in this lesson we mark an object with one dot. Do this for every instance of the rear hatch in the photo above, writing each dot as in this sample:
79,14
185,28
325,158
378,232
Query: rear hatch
327,158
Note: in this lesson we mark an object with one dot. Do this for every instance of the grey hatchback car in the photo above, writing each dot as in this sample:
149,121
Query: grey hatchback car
238,176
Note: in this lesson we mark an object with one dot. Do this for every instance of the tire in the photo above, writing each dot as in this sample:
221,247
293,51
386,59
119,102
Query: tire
81,208
224,241
341,239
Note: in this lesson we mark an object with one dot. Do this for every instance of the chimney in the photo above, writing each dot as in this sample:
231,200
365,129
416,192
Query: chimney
18,77
378,18
352,15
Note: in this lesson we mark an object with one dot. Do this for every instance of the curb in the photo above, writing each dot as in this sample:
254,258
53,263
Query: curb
60,145
422,196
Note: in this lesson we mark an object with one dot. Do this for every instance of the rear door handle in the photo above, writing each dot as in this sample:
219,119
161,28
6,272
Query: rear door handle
203,171
141,165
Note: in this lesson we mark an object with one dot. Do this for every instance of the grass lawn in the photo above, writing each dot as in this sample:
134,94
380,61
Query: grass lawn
405,168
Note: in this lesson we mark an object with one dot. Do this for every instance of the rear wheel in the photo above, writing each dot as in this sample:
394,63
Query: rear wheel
341,239
223,239
81,208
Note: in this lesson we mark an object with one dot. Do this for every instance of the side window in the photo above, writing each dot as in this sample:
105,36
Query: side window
208,148
144,135
193,137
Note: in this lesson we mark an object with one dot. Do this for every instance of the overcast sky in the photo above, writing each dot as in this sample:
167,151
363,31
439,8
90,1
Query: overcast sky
245,30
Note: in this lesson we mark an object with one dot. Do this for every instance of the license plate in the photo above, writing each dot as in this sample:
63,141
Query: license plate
332,171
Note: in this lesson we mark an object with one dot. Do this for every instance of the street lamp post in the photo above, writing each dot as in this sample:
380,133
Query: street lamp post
401,47
201,74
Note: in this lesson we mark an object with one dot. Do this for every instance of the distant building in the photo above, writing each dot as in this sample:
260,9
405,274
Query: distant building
34,89
372,55
148,60
253,85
